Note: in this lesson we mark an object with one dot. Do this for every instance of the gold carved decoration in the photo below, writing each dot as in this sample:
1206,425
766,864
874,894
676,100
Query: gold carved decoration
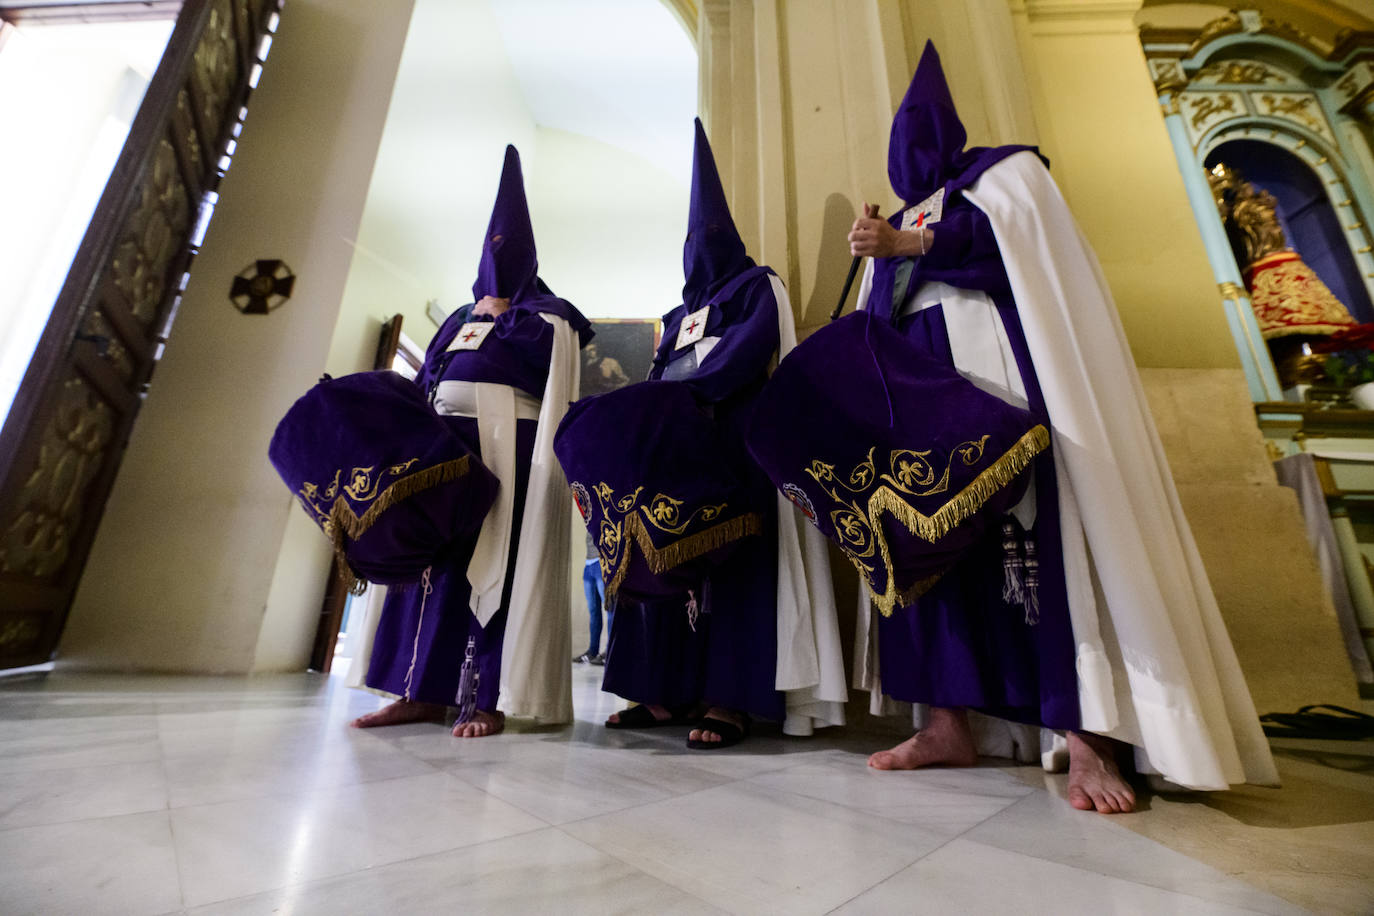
625,520
37,539
1232,292
98,329
871,493
1301,109
190,134
1204,106
17,634
216,67
152,235
1224,25
1240,71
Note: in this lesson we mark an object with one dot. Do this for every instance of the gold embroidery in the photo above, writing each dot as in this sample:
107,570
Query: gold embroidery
338,520
664,513
858,521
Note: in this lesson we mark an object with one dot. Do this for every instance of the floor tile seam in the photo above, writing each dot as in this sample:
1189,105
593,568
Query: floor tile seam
621,859
936,849
5,771
1117,877
176,847
86,820
643,804
339,876
298,793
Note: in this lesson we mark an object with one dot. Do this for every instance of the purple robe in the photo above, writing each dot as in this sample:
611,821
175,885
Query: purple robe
421,639
960,644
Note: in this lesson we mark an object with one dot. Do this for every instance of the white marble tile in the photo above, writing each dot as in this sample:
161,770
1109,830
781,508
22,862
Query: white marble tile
751,849
583,781
107,865
48,744
1046,827
51,796
946,802
245,847
968,877
541,872
291,768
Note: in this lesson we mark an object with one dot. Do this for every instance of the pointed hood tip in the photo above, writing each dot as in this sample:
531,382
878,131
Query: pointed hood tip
927,137
509,266
713,251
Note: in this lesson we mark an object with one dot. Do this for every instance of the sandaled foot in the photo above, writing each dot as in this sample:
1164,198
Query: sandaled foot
481,725
719,729
643,715
945,741
400,713
1095,780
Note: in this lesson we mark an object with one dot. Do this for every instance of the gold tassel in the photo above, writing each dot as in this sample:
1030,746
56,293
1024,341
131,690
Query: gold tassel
958,509
660,560
343,523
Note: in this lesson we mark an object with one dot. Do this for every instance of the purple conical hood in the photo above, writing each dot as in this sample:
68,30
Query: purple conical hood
926,147
713,252
509,268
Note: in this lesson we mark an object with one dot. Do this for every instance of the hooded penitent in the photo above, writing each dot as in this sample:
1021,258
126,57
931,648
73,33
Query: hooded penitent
897,458
383,476
667,506
508,269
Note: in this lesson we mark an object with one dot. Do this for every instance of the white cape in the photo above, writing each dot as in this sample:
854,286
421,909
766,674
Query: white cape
810,663
1155,665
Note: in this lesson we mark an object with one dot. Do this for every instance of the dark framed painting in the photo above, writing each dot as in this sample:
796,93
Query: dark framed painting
621,352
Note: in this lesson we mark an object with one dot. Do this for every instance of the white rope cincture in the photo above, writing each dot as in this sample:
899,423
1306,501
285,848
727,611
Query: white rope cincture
415,649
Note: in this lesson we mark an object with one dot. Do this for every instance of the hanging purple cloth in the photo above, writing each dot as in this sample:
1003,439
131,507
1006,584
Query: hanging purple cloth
388,481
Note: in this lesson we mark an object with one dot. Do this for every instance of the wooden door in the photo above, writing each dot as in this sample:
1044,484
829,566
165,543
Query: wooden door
61,445
335,592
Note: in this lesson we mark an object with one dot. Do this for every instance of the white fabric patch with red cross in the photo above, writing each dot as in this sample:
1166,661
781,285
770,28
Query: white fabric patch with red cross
925,213
693,328
471,335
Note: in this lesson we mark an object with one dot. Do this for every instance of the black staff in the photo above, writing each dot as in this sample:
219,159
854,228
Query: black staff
870,211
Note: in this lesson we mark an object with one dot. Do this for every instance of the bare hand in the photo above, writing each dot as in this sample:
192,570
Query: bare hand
490,305
872,237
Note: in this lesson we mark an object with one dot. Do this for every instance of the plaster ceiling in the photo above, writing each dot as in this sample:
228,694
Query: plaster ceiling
619,71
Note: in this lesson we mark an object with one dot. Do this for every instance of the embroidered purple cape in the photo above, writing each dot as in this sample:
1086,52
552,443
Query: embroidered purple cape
668,505
383,476
899,460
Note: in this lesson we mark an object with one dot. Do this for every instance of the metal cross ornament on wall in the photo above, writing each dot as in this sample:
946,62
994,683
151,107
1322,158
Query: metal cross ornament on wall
262,286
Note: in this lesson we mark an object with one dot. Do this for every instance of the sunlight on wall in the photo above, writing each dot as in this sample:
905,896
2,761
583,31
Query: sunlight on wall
68,95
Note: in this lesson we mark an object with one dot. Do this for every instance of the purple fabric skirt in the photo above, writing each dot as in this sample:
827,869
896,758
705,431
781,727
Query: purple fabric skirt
447,620
730,660
960,644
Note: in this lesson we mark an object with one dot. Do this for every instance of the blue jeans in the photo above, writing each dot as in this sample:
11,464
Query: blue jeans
595,590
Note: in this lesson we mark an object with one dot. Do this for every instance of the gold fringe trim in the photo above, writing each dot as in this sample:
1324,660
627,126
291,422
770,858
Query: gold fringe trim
660,560
958,509
344,523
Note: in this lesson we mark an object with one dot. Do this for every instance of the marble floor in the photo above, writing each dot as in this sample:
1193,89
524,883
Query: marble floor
144,794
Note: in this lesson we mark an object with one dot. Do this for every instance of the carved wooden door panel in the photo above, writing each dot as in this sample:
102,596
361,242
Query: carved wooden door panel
62,442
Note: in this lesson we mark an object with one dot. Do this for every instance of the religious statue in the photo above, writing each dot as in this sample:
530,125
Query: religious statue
1293,306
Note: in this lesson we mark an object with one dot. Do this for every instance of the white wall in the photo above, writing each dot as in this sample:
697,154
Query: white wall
182,568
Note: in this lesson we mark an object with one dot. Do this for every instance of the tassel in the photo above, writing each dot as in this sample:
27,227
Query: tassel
1013,568
1032,597
468,678
415,649
693,609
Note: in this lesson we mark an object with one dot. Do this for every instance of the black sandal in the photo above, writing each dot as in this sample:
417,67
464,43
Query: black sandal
730,734
1344,725
640,717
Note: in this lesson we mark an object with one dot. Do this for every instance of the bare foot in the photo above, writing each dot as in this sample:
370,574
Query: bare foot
1095,781
399,713
945,741
724,715
660,713
480,725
